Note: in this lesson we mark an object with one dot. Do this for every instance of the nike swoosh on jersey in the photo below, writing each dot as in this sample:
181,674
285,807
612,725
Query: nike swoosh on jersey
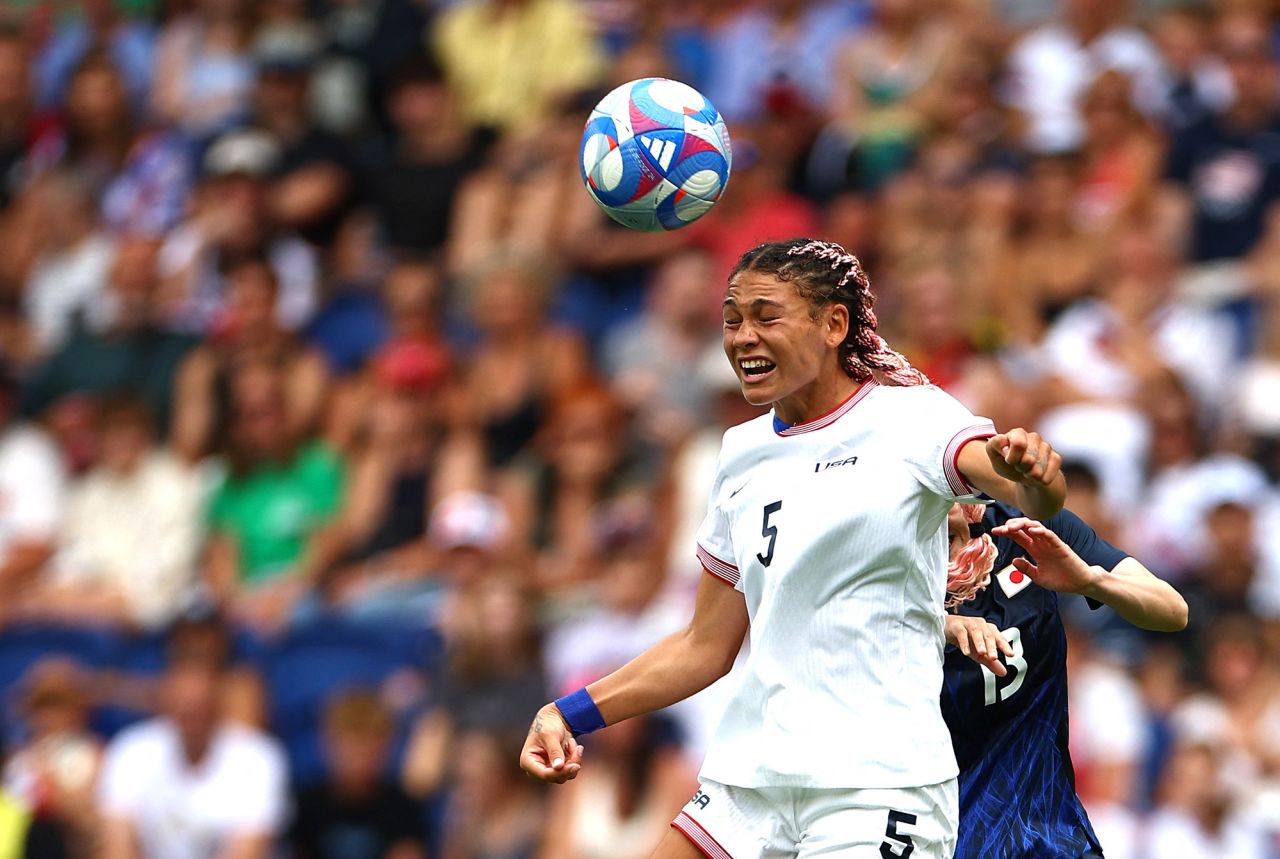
739,489
1012,581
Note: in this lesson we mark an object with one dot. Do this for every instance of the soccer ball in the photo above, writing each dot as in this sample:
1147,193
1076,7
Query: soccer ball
655,155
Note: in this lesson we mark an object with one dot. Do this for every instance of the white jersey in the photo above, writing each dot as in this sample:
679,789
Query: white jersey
835,532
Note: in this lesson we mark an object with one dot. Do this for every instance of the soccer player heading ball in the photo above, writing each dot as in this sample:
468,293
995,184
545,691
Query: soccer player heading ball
826,535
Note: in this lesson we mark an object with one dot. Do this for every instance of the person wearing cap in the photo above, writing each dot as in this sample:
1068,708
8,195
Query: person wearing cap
1004,696
231,216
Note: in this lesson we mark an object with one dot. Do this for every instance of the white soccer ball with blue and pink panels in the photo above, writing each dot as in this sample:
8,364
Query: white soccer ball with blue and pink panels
655,155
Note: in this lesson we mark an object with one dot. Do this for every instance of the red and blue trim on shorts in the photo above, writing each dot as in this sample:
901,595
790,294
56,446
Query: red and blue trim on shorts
698,836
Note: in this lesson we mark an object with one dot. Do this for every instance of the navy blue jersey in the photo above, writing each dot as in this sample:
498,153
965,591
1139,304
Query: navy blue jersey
1017,787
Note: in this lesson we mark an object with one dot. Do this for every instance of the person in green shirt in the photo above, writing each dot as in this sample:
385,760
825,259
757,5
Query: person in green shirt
270,519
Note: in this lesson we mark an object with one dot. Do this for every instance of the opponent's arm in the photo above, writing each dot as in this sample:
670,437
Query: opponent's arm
978,639
1130,589
1019,468
671,670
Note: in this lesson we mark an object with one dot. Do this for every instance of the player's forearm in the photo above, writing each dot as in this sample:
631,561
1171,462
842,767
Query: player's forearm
670,671
1139,597
1039,500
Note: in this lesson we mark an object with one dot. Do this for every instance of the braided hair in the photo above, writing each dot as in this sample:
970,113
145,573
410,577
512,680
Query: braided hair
825,273
970,572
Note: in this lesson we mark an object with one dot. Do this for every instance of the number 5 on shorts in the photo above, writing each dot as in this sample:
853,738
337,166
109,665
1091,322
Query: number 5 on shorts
897,845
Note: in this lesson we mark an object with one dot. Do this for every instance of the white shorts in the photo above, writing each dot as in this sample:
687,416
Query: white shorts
726,822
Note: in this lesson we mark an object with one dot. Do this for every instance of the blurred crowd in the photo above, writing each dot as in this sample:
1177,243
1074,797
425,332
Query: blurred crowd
309,333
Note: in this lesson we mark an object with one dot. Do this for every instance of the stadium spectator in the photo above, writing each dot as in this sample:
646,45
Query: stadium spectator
100,24
246,332
619,809
366,43
943,318
584,461
625,612
881,77
1237,712
313,183
352,320
139,176
1225,584
23,835
645,358
1120,157
408,308
53,773
203,72
67,278
1111,345
356,812
494,660
189,784
523,199
540,51
412,181
494,813
269,519
1049,67
1049,261
783,49
131,532
1222,182
1196,817
129,349
1193,81
17,112
760,209
405,462
230,217
520,363
32,481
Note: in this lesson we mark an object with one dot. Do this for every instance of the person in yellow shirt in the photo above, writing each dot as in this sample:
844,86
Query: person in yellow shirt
508,60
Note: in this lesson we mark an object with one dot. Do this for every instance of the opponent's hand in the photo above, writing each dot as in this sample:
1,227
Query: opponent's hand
550,752
1024,457
1053,565
979,640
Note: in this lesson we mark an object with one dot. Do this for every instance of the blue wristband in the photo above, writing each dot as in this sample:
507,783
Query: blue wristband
580,713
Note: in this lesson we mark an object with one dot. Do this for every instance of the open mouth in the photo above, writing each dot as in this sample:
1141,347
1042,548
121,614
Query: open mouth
756,369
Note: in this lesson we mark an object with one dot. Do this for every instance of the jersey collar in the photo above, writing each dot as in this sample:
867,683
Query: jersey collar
785,429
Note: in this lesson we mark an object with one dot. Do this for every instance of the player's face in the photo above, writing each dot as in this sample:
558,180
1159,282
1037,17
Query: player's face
775,341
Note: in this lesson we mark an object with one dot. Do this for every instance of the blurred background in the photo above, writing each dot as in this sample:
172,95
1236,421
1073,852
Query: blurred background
339,430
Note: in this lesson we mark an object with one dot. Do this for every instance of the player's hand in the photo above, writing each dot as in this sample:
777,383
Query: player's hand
979,640
1024,457
550,752
1053,565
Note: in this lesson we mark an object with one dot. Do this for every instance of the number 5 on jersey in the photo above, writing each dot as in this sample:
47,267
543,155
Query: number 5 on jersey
770,532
